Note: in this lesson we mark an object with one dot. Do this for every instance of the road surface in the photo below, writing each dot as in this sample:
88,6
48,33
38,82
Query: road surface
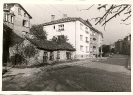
97,76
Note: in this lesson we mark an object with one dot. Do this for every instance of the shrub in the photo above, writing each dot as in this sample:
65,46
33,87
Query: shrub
17,59
29,51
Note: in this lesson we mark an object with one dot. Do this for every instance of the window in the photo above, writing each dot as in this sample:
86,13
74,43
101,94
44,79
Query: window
94,39
25,23
86,48
24,33
81,48
94,47
58,54
86,30
94,33
19,11
11,19
61,27
53,27
81,37
5,17
87,40
45,56
24,14
81,26
68,55
51,58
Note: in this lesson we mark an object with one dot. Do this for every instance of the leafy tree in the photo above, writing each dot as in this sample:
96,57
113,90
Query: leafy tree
60,39
38,32
112,50
105,49
6,42
29,51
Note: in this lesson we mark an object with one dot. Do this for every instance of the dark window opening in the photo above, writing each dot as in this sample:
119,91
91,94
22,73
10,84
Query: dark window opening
11,19
25,23
61,27
24,14
19,11
53,27
51,56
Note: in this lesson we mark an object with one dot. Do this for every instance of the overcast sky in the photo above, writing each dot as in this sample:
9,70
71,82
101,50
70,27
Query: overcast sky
41,13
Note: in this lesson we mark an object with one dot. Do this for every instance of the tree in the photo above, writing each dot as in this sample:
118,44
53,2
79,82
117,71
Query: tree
105,49
111,12
6,42
38,32
60,39
112,50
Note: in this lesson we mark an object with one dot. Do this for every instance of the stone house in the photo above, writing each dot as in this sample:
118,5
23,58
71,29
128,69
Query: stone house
36,51
17,18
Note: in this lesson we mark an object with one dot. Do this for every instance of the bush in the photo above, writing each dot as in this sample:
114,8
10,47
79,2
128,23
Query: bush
17,59
30,51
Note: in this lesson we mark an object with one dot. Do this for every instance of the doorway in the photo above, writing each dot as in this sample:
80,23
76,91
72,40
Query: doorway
45,56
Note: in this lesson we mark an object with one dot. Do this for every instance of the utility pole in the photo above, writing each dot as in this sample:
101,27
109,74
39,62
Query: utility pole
101,51
110,47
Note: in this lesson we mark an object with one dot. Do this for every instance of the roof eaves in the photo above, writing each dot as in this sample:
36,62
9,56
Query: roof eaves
24,10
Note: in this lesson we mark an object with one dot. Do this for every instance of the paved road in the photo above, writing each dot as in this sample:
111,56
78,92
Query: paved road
103,75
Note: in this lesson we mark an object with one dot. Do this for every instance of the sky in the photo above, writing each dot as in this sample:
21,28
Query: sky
41,13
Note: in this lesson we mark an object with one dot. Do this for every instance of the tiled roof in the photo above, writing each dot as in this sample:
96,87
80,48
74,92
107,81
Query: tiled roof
70,19
50,45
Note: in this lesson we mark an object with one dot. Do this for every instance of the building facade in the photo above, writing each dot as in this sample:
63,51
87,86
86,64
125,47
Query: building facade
17,18
78,32
123,46
96,41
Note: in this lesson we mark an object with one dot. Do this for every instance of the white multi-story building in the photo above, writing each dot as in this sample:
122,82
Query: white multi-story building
76,29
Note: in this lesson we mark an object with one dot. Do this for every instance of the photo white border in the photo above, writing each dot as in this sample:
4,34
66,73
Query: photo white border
61,2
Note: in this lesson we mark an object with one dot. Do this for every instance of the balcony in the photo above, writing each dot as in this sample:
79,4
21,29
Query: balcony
94,47
94,38
87,32
87,42
6,8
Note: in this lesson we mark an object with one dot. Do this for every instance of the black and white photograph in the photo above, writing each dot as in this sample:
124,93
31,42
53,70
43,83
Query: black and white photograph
66,47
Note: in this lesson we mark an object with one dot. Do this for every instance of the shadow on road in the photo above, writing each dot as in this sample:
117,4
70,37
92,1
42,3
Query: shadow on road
75,78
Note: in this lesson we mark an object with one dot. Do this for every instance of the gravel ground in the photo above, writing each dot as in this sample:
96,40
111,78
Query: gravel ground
108,75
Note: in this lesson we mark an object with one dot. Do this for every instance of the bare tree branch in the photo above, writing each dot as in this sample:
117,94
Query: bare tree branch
103,6
111,12
104,15
129,8
88,8
77,8
114,15
126,23
117,10
95,18
126,18
128,12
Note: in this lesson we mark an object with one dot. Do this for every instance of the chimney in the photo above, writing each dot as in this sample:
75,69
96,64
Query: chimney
64,15
52,17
